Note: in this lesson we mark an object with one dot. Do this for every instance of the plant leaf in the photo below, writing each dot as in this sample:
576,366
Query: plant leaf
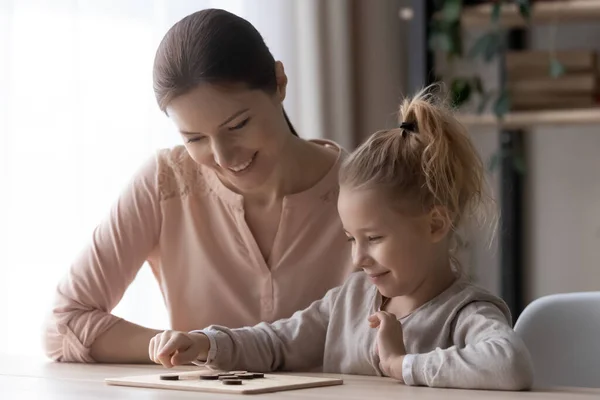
452,10
556,68
519,164
524,9
480,45
502,104
460,90
493,162
483,102
478,85
493,49
438,4
440,41
455,35
487,45
496,12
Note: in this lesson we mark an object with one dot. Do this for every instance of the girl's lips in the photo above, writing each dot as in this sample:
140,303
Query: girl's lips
376,277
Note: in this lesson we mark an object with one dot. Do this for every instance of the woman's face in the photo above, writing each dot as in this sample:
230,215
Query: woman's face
236,132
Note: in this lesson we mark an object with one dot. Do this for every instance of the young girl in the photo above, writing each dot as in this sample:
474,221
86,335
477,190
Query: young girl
409,314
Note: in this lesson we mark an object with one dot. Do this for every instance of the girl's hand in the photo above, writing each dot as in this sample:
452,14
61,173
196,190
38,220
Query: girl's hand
171,348
390,343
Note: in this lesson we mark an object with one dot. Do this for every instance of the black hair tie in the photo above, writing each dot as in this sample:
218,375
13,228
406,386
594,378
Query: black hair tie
408,127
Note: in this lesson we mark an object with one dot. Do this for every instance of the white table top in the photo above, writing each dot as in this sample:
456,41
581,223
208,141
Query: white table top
27,378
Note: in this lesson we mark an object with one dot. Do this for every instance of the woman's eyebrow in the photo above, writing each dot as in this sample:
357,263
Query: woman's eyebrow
236,114
233,116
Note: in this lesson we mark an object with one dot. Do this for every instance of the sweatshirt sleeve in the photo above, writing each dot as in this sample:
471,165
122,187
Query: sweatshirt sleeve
296,343
99,276
487,354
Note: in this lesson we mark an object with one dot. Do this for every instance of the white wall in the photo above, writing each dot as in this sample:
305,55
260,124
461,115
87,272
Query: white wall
563,211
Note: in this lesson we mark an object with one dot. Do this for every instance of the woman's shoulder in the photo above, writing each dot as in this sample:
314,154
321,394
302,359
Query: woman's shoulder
177,173
336,149
331,155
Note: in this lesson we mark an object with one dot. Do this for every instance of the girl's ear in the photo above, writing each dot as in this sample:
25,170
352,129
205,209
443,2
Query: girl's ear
281,79
440,224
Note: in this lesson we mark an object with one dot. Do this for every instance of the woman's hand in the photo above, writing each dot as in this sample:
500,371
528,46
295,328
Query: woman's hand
390,343
171,348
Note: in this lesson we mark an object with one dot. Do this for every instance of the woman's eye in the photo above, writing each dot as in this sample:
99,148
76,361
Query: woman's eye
196,139
240,125
350,239
374,238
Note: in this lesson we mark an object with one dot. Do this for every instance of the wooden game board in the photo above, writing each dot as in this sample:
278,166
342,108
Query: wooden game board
191,381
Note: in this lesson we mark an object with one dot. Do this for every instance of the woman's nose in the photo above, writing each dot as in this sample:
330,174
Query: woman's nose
221,154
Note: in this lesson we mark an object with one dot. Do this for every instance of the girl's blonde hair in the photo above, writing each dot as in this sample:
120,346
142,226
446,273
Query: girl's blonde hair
428,161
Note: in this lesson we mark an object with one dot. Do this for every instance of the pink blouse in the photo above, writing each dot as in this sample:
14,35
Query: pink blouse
180,218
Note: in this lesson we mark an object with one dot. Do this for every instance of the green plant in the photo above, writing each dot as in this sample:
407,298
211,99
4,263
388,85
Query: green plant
446,37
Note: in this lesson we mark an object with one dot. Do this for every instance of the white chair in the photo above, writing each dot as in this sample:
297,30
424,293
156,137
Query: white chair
562,333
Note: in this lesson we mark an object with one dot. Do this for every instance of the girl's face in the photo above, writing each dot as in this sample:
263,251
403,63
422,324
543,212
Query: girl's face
396,251
237,132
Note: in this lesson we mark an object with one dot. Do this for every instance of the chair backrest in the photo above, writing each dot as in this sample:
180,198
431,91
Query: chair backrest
562,333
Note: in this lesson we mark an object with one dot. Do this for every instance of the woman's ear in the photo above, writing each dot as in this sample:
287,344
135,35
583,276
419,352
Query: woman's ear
440,224
281,79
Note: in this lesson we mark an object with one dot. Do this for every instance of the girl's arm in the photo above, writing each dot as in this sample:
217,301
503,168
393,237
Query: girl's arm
296,343
488,355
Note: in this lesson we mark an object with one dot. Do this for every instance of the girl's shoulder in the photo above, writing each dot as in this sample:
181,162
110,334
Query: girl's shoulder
458,297
357,291
464,293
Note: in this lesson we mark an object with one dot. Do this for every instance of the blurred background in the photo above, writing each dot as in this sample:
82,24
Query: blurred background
78,117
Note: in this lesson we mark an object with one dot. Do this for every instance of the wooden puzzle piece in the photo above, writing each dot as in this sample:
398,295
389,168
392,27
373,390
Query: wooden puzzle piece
231,381
227,378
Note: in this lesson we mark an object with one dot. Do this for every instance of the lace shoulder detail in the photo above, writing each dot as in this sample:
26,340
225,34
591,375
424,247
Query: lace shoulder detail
178,174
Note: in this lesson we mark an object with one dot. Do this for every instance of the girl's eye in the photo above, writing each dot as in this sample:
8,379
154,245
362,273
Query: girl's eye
374,238
196,139
350,239
240,125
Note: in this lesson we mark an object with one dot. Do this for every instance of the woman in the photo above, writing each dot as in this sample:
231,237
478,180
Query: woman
239,225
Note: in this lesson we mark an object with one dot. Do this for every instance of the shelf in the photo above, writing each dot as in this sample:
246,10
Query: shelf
522,119
548,12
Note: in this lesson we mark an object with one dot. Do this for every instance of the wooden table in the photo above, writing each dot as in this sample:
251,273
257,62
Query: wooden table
27,378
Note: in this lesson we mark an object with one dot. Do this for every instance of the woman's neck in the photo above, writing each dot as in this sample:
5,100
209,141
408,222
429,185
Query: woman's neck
302,165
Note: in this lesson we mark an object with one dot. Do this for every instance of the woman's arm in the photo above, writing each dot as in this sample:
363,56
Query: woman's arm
125,342
98,278
492,357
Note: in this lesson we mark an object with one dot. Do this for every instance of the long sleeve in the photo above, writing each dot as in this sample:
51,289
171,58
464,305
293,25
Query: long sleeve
99,276
296,343
487,355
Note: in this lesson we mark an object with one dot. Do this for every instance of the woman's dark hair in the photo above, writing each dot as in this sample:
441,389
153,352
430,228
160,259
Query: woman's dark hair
212,46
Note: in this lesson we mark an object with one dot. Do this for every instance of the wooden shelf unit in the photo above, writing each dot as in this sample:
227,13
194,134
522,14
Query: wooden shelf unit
550,12
522,119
